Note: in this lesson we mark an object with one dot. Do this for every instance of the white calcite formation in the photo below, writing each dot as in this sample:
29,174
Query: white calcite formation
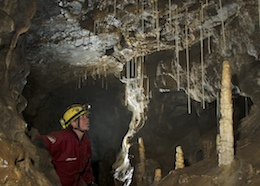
226,138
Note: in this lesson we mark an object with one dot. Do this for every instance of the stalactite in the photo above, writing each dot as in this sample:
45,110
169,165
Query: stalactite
246,106
114,7
147,88
209,47
79,82
143,16
136,66
105,70
222,25
202,56
217,109
226,147
154,13
157,176
179,158
157,25
142,81
105,76
128,69
187,64
126,91
170,12
85,75
218,143
259,13
95,24
177,50
102,81
98,72
141,72
132,68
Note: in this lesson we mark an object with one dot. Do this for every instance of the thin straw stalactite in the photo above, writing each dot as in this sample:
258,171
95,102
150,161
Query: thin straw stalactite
157,25
222,25
187,64
143,16
259,13
114,7
170,12
177,50
202,57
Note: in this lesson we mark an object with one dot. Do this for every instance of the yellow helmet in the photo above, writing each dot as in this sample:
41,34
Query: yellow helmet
72,113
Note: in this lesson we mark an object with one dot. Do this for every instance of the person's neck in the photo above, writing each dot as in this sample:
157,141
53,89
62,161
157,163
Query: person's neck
79,133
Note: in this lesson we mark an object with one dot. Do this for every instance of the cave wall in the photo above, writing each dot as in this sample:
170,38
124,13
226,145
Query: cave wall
20,162
62,46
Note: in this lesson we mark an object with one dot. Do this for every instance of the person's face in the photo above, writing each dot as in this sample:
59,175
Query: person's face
84,123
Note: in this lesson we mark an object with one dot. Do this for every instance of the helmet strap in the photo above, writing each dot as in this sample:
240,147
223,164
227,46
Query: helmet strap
78,128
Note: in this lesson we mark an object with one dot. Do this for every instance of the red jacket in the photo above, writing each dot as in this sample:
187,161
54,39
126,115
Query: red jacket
70,156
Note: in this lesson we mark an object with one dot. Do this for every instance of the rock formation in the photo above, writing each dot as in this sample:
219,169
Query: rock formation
150,69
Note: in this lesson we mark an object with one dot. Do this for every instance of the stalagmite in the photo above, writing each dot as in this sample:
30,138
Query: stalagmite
226,146
141,150
157,175
179,164
142,157
222,25
202,57
188,64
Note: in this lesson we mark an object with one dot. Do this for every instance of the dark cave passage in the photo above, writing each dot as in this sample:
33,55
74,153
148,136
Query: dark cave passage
109,119
168,124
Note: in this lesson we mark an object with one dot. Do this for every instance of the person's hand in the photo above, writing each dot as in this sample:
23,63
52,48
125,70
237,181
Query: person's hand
92,184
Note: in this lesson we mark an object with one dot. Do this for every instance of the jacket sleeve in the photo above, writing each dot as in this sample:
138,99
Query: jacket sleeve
87,173
52,142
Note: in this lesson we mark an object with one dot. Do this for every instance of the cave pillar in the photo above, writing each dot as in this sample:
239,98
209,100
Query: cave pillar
226,137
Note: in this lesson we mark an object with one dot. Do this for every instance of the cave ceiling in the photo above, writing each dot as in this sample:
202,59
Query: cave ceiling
158,62
73,39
